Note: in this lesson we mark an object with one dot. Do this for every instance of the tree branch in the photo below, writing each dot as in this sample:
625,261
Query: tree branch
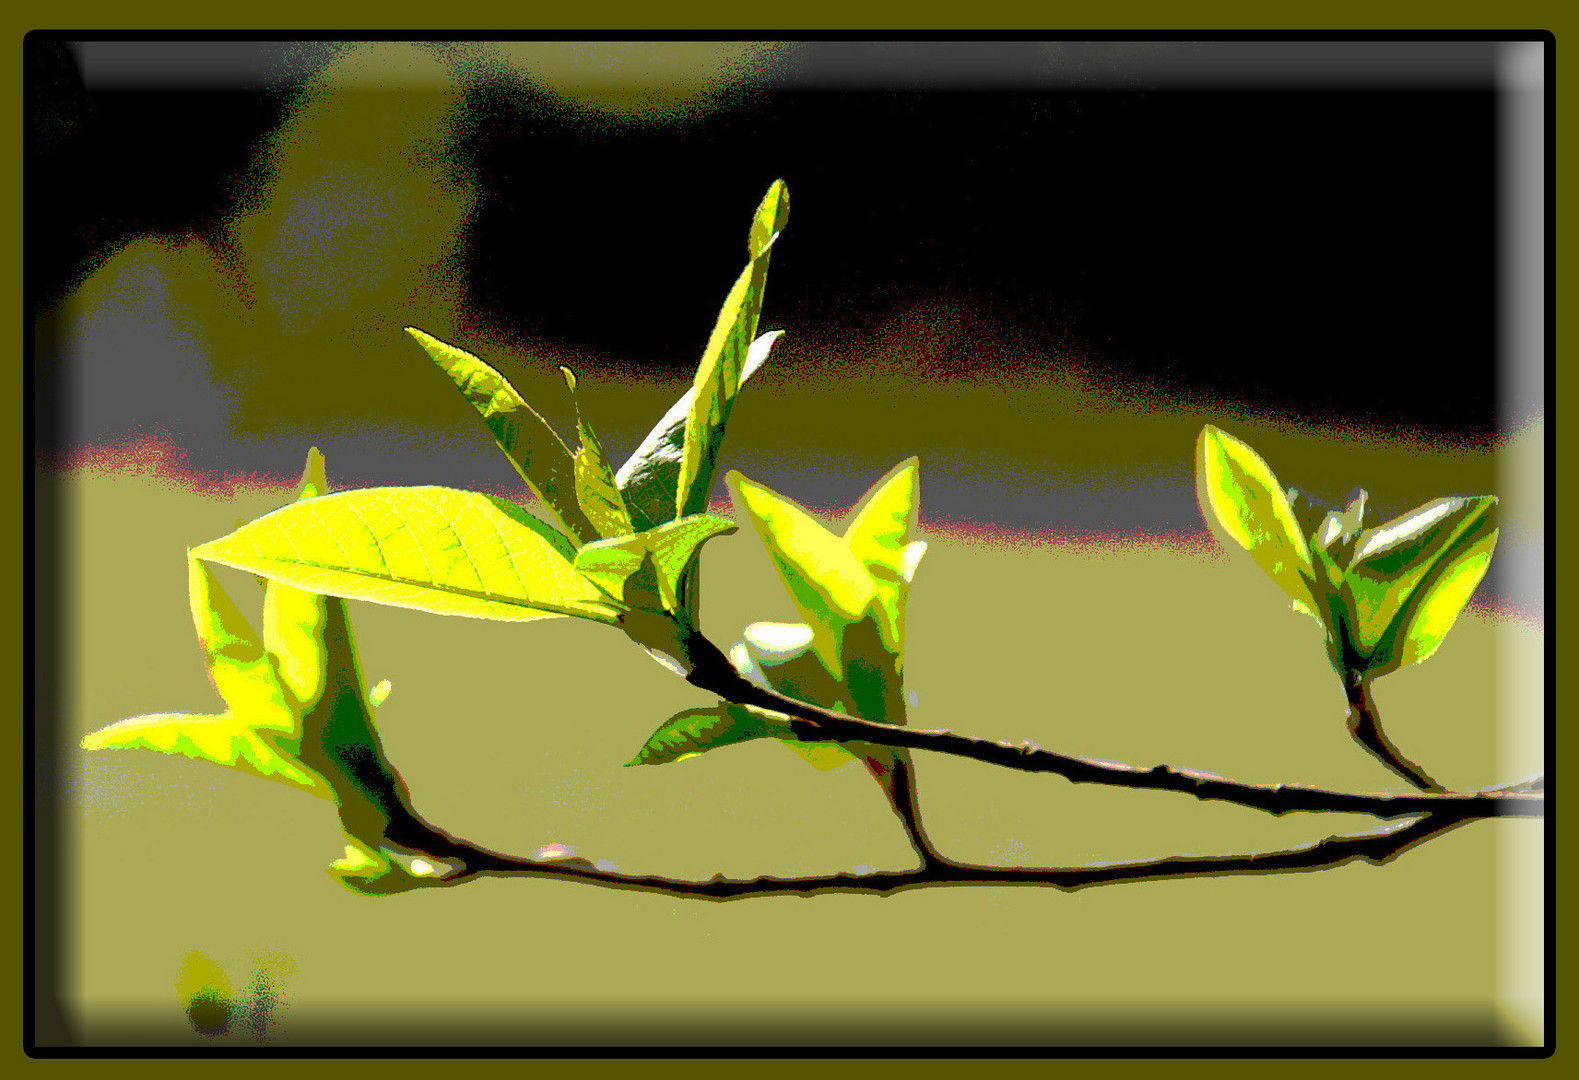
1377,846
714,673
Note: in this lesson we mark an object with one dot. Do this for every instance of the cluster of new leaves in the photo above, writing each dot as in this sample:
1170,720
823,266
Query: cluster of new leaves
848,653
1385,595
625,552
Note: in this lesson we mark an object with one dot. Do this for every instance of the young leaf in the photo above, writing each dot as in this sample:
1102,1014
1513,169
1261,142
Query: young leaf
771,217
1418,570
296,713
879,536
695,731
852,592
596,491
668,549
433,549
525,437
719,375
258,733
830,586
1440,601
650,478
1235,485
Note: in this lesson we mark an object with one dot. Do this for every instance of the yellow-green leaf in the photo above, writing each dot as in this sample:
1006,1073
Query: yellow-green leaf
596,490
879,535
1239,491
831,588
720,373
432,549
538,454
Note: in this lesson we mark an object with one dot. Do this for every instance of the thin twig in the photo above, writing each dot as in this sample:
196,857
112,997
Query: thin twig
1366,727
811,723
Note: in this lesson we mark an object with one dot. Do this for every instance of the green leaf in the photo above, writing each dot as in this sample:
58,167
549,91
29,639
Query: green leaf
1418,571
694,731
666,550
596,490
720,373
650,478
831,588
533,448
771,217
432,549
1235,486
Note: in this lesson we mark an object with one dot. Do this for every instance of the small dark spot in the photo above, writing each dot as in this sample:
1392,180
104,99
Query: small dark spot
210,1012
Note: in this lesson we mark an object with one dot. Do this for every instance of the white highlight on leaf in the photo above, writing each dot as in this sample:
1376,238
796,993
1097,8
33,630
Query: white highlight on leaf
779,637
667,661
740,657
423,868
1404,526
913,553
378,694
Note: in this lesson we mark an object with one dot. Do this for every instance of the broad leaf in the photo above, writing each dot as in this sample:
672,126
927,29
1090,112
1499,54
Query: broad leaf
650,478
596,490
667,550
432,549
720,373
694,731
1418,570
1236,487
537,453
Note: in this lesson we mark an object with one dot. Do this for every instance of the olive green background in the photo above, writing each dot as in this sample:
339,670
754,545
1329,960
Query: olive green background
1140,650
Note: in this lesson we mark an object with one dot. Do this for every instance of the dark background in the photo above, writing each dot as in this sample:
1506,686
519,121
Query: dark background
1328,251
